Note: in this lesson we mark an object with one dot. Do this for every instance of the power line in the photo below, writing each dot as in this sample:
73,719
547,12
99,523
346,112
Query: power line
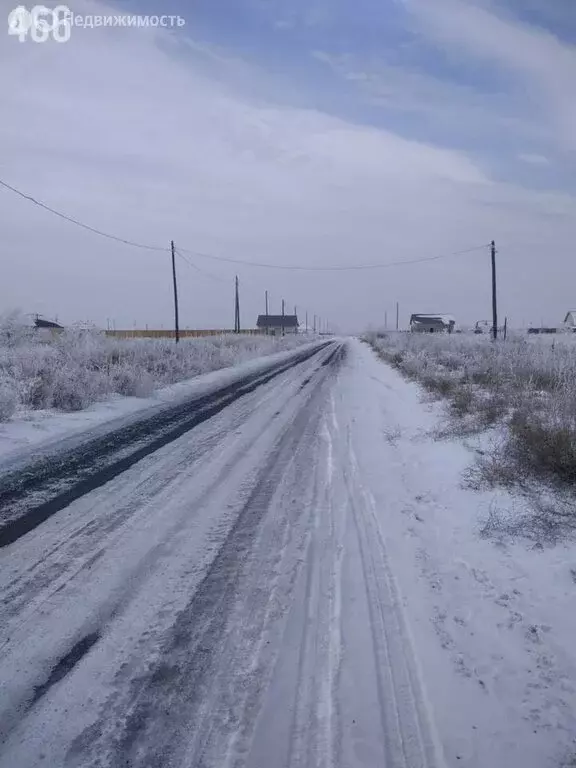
72,220
202,271
334,268
227,259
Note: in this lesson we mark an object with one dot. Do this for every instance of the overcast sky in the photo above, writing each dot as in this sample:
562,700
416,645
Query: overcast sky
309,132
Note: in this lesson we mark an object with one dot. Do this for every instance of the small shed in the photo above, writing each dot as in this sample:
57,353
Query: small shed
278,325
570,320
432,323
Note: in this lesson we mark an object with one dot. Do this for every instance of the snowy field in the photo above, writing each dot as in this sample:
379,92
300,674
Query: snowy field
76,369
522,392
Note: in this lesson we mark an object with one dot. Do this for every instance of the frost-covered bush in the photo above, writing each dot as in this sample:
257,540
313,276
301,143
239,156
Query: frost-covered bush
528,385
8,399
74,369
15,330
131,382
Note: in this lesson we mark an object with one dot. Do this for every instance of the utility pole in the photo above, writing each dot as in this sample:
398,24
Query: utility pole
314,326
176,320
282,317
494,295
397,316
237,309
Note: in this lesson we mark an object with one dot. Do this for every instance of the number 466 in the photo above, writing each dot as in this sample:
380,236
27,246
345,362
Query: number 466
40,22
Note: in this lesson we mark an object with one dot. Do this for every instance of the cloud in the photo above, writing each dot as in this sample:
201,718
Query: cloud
456,109
534,159
135,133
543,64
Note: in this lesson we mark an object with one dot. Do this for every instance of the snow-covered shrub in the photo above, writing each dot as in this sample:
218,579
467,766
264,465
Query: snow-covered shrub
76,368
8,399
77,387
131,382
528,385
15,329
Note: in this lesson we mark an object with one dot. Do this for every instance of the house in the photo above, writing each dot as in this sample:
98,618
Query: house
570,320
277,325
432,323
40,323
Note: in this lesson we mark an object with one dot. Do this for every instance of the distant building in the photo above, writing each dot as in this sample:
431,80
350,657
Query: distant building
432,323
278,325
542,330
570,320
40,323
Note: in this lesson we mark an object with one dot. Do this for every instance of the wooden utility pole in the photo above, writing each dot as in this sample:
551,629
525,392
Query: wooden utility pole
282,317
237,309
314,326
494,294
397,316
176,319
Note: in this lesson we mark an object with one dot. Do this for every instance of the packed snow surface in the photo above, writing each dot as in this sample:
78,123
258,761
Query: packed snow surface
296,582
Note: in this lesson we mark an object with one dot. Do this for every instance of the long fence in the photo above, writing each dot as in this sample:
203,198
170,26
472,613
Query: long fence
185,333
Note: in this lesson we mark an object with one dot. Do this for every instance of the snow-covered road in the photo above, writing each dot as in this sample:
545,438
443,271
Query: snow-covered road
237,597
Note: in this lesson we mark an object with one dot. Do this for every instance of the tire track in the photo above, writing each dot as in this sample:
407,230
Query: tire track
181,698
407,731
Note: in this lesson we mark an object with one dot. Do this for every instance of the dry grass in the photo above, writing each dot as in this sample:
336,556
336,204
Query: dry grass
525,388
544,523
77,369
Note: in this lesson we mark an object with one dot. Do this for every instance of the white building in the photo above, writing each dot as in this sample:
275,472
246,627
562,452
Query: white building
432,323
